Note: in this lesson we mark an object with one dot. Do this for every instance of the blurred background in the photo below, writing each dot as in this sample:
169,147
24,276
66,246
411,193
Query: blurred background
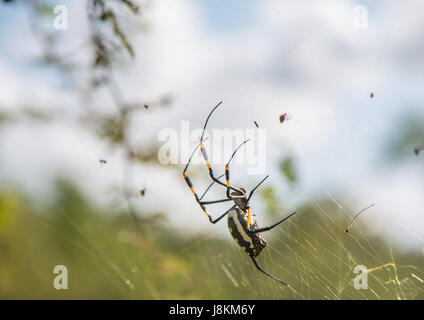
82,107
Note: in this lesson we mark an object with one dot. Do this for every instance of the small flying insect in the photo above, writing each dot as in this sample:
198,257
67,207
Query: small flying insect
143,192
285,117
241,224
356,215
418,149
102,161
256,124
146,106
372,95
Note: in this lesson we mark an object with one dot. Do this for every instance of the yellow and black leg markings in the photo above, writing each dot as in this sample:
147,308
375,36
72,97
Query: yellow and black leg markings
190,185
211,174
203,204
227,170
227,179
205,155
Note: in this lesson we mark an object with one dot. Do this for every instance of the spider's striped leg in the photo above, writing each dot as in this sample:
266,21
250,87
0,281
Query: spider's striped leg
211,174
227,179
205,155
223,215
215,201
210,186
190,185
274,225
204,203
227,168
262,270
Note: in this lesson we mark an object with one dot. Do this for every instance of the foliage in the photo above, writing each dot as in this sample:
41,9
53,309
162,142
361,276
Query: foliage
288,169
109,258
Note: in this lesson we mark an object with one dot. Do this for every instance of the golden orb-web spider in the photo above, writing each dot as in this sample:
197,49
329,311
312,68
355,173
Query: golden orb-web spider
242,225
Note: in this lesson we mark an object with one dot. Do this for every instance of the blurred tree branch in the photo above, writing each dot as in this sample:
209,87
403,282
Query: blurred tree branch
108,44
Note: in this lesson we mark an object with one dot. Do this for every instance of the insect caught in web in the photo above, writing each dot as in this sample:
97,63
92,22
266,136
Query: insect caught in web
418,149
241,224
285,117
143,192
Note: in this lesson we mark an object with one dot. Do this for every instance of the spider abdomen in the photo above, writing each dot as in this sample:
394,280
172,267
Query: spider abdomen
251,242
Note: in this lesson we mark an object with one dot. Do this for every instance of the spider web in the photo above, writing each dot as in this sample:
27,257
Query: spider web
310,251
314,255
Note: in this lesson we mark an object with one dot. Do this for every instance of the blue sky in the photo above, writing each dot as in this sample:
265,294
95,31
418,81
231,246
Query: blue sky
228,16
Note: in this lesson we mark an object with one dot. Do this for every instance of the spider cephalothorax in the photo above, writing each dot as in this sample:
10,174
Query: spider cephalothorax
240,199
242,225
